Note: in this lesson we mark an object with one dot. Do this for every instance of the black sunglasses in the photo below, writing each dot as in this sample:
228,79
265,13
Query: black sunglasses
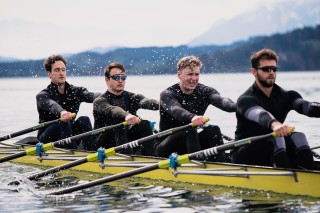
117,77
269,68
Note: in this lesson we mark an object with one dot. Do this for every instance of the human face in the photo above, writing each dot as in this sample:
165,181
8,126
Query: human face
58,73
263,78
189,78
116,86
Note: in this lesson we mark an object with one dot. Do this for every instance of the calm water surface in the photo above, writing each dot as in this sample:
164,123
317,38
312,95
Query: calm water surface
18,111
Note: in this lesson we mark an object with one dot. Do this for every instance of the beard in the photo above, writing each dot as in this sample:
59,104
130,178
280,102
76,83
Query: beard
266,83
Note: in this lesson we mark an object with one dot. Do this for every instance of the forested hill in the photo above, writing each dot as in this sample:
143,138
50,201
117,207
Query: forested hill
299,50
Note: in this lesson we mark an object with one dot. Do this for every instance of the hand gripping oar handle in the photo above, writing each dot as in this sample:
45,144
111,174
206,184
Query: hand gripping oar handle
50,146
165,163
111,151
31,129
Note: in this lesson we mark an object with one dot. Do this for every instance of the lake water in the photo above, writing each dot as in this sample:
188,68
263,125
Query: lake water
18,111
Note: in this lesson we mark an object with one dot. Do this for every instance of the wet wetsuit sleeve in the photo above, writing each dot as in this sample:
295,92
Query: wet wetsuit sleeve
87,96
311,109
103,107
171,105
249,109
225,104
45,103
314,110
146,103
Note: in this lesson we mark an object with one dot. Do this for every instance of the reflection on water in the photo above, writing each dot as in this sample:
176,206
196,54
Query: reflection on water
136,195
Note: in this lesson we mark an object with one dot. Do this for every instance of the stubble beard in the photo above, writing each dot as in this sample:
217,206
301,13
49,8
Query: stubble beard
265,83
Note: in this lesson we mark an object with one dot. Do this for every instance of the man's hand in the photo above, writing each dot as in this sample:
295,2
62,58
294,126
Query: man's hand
66,116
199,120
132,119
282,130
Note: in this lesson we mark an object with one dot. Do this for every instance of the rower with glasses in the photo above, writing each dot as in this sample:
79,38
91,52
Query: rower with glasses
263,109
117,105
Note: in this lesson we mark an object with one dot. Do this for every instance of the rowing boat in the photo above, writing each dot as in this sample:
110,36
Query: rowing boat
295,182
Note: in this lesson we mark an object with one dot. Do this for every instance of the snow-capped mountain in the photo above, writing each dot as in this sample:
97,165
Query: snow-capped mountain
267,20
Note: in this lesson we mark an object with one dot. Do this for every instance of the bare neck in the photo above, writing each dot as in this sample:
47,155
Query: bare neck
61,88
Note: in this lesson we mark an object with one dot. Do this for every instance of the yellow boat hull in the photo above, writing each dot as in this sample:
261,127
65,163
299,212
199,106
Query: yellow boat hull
295,182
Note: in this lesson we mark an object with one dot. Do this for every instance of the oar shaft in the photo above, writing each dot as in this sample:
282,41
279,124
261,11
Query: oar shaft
31,129
50,146
86,134
166,163
58,168
106,179
218,149
13,156
162,134
109,152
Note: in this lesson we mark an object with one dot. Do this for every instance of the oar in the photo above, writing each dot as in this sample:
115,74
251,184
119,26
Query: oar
227,137
166,163
316,155
50,146
31,129
111,151
30,140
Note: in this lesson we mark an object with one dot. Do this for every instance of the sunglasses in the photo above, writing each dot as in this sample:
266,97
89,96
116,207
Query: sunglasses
269,68
117,77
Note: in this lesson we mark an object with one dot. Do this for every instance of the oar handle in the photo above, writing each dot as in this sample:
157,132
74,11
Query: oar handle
73,115
205,119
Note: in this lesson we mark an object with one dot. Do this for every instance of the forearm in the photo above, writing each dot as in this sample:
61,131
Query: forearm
49,105
113,112
311,109
174,109
87,96
150,104
225,104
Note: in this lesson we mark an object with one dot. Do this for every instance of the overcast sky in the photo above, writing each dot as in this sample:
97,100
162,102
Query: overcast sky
33,29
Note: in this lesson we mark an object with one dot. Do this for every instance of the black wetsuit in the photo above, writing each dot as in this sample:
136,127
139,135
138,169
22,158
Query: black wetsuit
256,112
50,103
109,109
177,109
